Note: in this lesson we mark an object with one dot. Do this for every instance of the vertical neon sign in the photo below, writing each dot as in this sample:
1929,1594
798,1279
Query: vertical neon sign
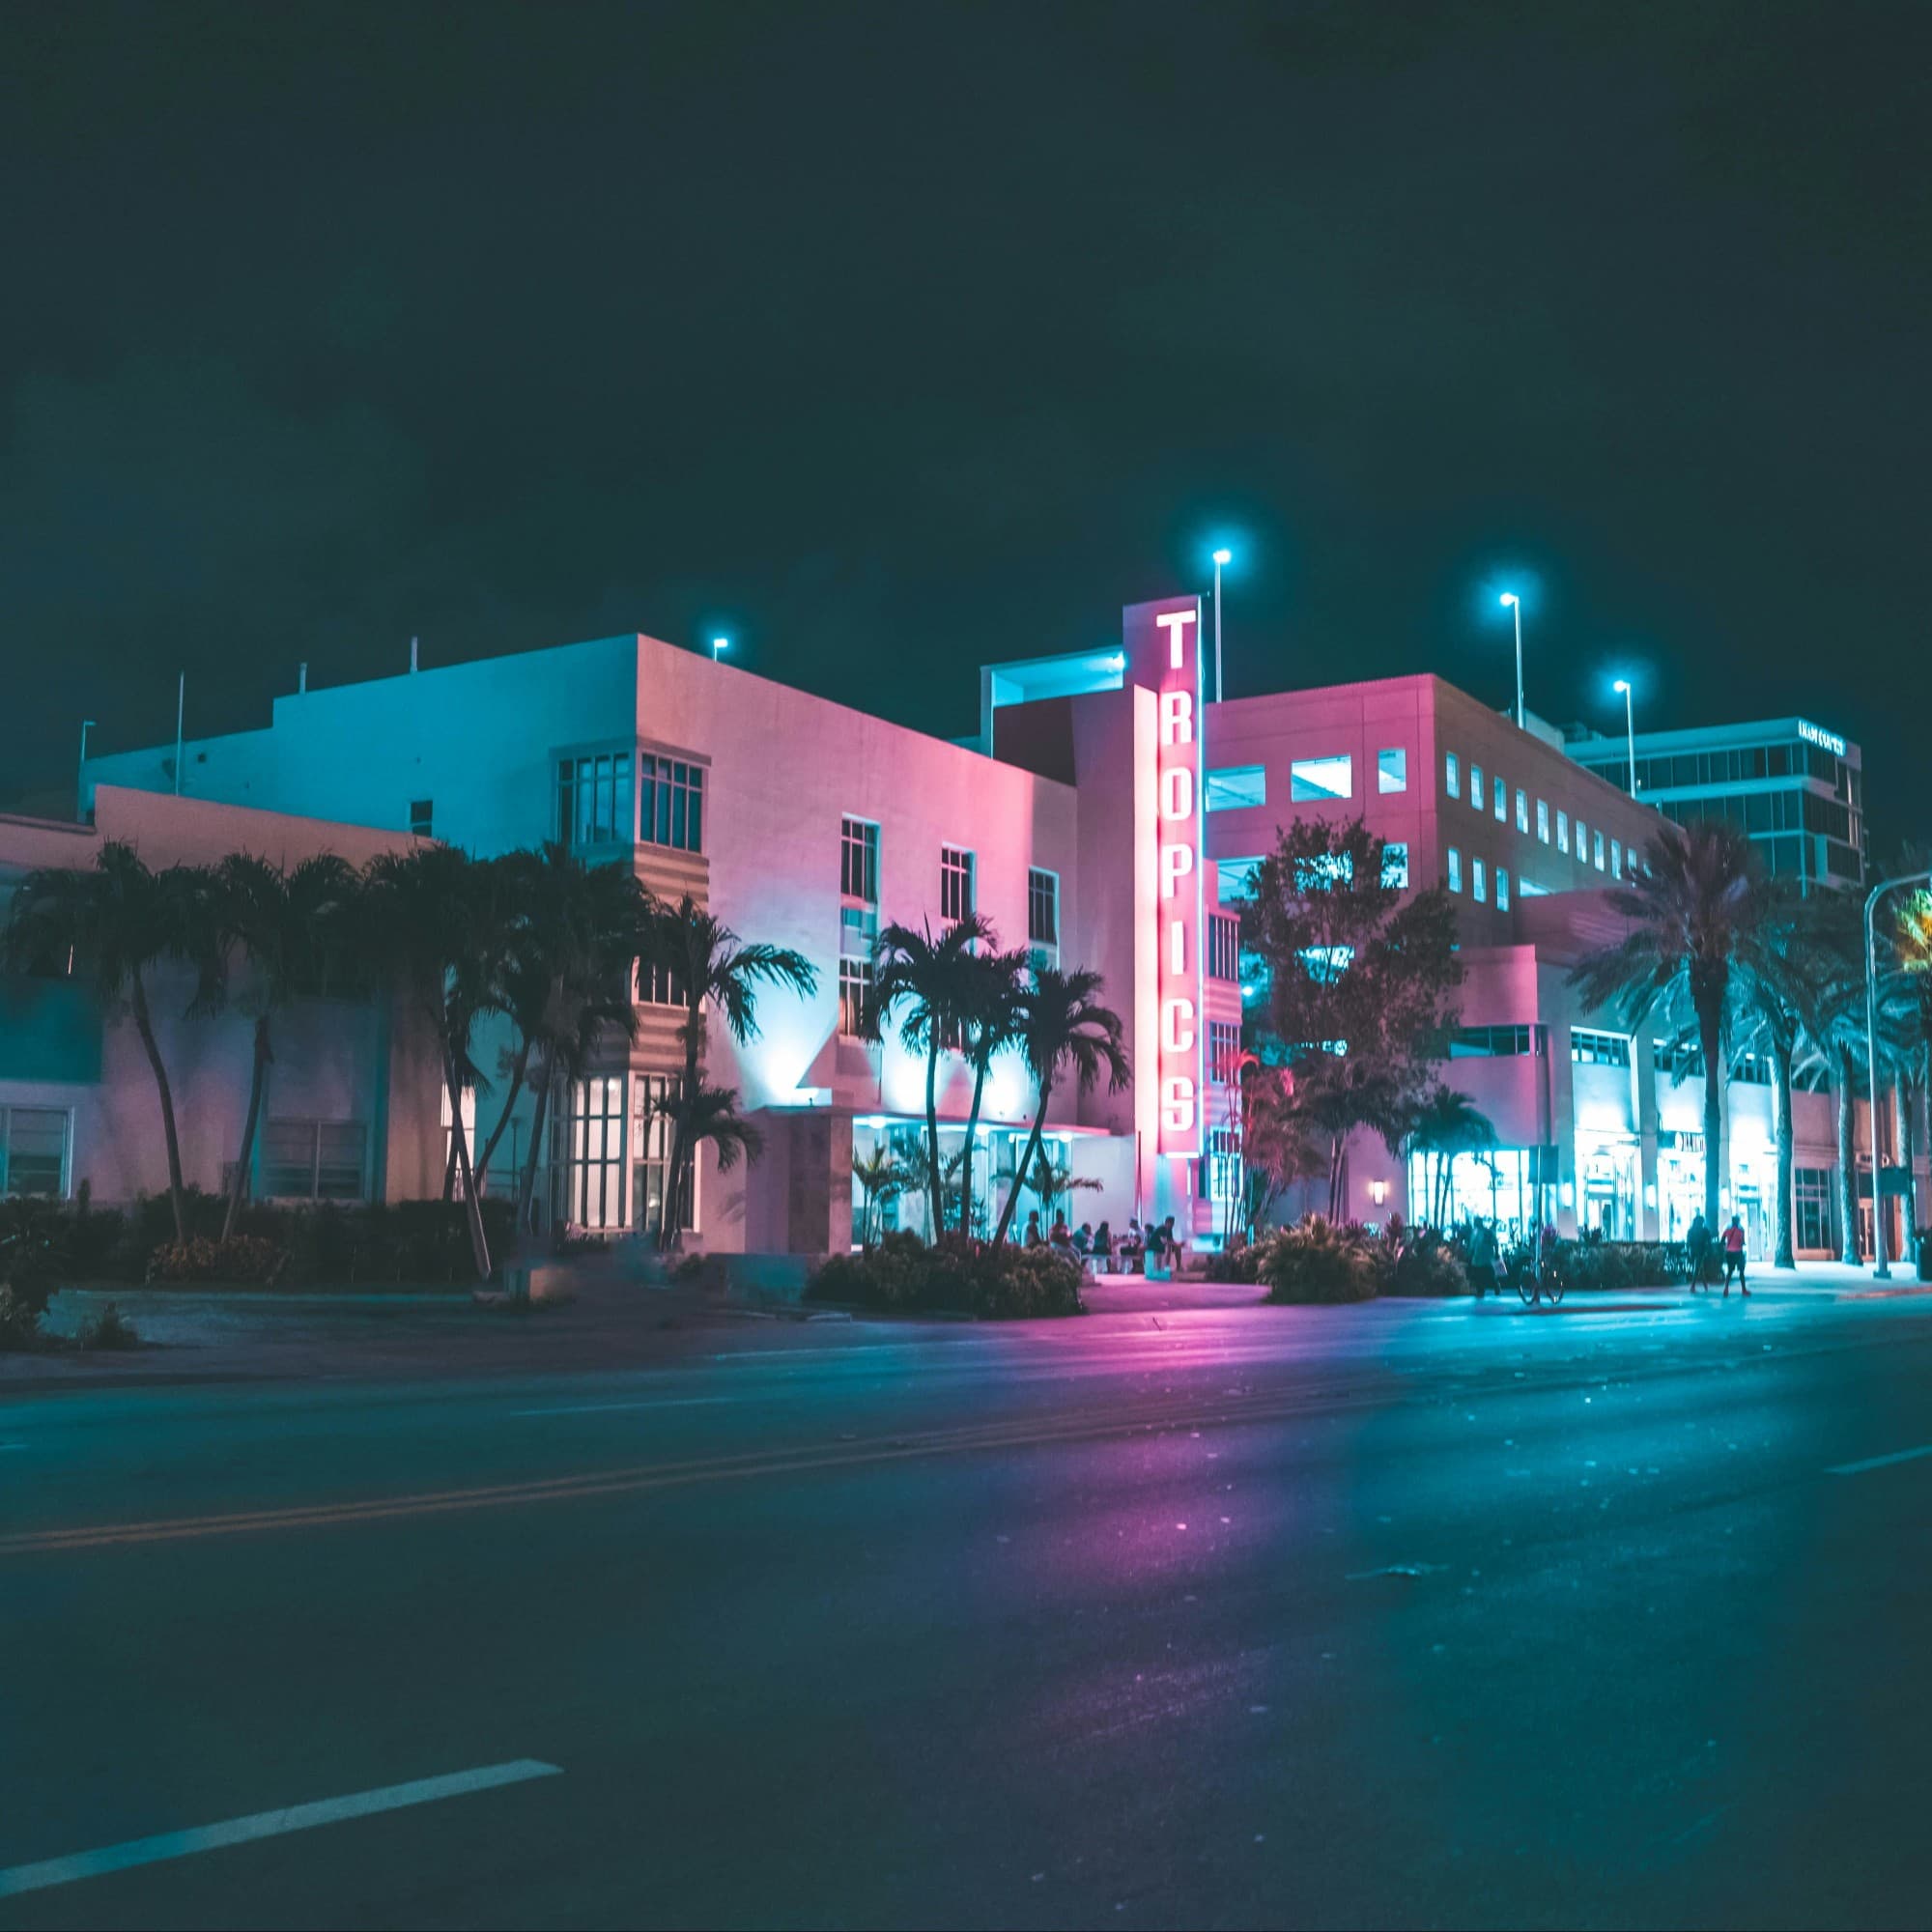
1178,906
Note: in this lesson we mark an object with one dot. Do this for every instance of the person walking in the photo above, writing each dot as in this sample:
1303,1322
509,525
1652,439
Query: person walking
1697,1249
1483,1259
1734,1257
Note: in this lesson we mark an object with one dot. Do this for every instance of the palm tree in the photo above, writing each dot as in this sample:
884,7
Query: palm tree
1049,1181
118,923
1277,1149
1911,948
993,992
927,984
1064,1025
1687,911
881,1180
289,926
442,923
709,962
1445,1124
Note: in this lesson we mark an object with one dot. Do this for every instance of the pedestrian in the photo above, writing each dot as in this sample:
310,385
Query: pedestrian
1103,1249
1548,1246
1697,1247
1170,1243
1060,1239
1483,1259
1034,1237
1734,1257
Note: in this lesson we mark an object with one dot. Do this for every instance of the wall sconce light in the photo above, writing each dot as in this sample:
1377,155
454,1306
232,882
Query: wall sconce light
1378,1191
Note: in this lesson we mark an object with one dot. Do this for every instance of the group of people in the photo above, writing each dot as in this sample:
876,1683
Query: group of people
1099,1249
1703,1251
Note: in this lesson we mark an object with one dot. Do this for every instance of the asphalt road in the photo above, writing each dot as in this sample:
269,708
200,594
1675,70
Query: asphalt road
1395,1616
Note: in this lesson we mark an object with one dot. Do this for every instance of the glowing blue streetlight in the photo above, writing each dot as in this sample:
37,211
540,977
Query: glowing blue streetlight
1221,557
1511,602
1630,731
719,644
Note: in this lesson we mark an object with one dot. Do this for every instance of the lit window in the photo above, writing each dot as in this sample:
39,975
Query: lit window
1454,870
855,994
1542,820
1237,879
1224,946
1503,890
1224,1051
1042,908
1563,831
1395,866
1503,802
1451,779
1476,787
653,1098
1590,1048
594,800
33,1150
955,882
1236,787
1313,779
1616,859
1522,810
1582,844
1600,850
859,860
1477,889
671,794
1392,770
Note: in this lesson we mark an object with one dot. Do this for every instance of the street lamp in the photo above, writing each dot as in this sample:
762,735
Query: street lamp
1630,731
1221,557
1511,602
719,644
1879,1272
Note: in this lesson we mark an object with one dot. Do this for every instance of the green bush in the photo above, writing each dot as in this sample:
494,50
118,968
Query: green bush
1241,1262
108,1330
1623,1264
1319,1261
241,1258
1416,1261
19,1322
958,1277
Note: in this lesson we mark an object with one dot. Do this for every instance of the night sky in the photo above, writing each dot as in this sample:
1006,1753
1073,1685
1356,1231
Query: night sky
893,339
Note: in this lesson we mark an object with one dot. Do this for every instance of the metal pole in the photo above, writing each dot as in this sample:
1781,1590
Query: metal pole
1629,732
1217,633
181,707
1879,1272
80,776
1516,607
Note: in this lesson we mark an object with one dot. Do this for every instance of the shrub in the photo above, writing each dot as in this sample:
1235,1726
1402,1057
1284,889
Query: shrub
1623,1264
241,1258
958,1277
1241,1263
19,1323
1319,1261
108,1330
1416,1261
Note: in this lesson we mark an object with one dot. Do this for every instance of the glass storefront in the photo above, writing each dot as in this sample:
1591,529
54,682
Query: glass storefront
1607,1167
1498,1186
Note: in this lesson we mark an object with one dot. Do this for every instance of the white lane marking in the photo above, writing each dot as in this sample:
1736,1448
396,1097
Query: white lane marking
647,1401
5,1446
1880,1461
266,1824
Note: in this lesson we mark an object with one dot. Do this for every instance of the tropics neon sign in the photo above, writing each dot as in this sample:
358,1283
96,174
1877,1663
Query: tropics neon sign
1178,806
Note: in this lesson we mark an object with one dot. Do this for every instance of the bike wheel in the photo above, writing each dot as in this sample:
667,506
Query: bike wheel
1552,1290
1527,1288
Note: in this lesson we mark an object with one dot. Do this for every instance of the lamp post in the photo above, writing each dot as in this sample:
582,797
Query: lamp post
1630,731
1221,557
80,778
1879,1272
719,644
1514,603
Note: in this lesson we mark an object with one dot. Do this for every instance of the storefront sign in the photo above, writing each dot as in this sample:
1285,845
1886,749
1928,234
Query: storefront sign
1177,905
1828,741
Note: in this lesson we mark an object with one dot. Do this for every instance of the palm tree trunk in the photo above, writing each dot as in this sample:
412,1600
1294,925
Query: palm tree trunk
245,1159
472,1209
1026,1163
937,1223
144,1025
966,1162
527,1181
1335,1146
1781,1066
1709,1036
673,1214
1848,1166
517,1073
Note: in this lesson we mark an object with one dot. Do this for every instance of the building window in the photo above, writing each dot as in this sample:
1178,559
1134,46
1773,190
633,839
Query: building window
1043,909
314,1161
1597,835
855,996
671,794
1392,770
1477,885
1224,1050
1582,844
1590,1048
1454,870
1616,859
594,1165
1502,801
1395,866
1224,946
1498,1043
658,986
1314,778
1563,831
1451,779
1221,1170
653,1096
1234,879
859,860
955,882
1503,890
34,1146
1521,810
1542,820
593,799
1236,787
1812,1187
422,817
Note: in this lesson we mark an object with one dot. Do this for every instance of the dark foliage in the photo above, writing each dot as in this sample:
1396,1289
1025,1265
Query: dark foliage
957,1277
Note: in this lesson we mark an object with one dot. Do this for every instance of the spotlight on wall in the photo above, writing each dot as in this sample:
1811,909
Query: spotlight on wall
1378,1191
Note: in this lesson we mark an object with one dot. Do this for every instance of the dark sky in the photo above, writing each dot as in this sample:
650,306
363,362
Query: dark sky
897,338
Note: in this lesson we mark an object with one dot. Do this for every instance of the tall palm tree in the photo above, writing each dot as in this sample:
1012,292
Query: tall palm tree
1688,910
926,984
710,963
1447,1123
993,1002
118,923
289,926
1063,1026
881,1180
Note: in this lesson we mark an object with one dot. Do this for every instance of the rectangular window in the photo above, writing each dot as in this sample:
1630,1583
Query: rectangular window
314,1161
1477,884
1813,1190
1542,820
1563,831
1582,844
1599,837
1521,810
955,882
1235,786
1454,870
1224,946
1395,866
1503,890
1450,779
593,799
34,1146
1224,1050
657,986
422,817
1042,908
1616,859
1310,778
1235,879
858,859
653,1096
1392,770
671,797
1476,787
855,994
1497,1042
1503,802
1590,1048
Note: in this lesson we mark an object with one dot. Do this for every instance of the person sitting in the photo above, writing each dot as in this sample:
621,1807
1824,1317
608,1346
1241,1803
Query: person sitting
1132,1248
1083,1238
1060,1239
1103,1249
1034,1237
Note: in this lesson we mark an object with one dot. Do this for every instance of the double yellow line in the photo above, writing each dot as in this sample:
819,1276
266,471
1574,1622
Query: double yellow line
636,1481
